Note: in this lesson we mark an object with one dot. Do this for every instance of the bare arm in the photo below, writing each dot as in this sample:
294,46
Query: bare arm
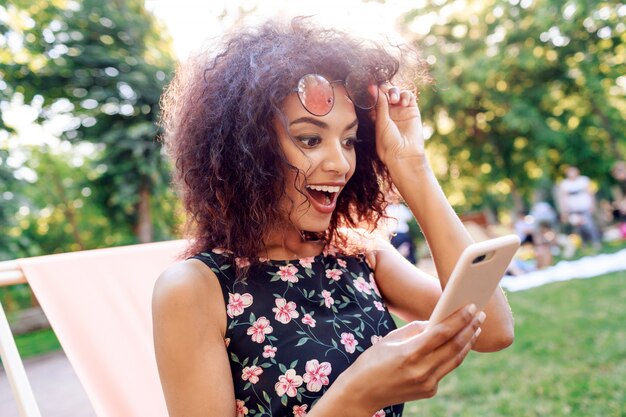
189,323
400,146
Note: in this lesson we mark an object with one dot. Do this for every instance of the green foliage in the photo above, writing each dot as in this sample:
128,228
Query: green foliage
522,88
103,66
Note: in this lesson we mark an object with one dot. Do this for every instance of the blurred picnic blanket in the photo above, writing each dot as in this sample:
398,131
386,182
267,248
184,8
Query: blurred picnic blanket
587,267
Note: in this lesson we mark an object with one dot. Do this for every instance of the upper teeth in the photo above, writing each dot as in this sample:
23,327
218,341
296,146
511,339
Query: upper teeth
325,188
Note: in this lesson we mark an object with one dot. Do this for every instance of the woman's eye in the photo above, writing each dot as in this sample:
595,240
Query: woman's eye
350,142
309,141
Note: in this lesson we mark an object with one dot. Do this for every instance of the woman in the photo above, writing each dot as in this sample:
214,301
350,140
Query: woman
284,140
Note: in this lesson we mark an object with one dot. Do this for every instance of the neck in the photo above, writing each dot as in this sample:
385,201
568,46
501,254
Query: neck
291,244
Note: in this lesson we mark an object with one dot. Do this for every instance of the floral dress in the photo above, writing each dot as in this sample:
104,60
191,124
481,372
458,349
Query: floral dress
294,326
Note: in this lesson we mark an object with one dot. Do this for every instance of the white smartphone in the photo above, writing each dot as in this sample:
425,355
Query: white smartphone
475,276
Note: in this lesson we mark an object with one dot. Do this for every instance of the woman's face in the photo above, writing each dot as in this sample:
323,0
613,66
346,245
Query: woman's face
323,151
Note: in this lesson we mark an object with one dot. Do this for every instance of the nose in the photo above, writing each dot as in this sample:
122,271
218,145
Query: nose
337,159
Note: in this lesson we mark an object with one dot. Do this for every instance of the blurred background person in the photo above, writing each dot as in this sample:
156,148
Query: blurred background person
618,191
577,205
398,227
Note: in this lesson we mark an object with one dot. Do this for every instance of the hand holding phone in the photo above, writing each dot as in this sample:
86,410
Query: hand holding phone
475,276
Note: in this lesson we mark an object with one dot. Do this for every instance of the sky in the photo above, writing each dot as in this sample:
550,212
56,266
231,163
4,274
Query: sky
192,22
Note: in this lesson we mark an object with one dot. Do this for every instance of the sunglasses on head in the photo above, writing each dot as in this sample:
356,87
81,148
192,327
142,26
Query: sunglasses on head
317,94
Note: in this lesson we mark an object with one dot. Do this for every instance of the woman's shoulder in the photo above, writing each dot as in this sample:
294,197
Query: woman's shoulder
187,285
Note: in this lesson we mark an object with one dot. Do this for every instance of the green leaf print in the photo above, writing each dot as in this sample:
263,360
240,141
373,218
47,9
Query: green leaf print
302,341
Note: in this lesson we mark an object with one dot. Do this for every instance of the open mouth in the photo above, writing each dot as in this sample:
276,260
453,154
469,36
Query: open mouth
324,195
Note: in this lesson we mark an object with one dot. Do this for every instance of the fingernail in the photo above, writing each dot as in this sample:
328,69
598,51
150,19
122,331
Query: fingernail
481,316
472,309
394,97
477,332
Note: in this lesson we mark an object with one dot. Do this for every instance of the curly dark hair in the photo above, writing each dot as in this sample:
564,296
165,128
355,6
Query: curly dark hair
219,113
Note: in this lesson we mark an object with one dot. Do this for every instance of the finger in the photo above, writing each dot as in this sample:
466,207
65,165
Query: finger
394,95
382,106
458,343
455,361
442,332
407,331
407,99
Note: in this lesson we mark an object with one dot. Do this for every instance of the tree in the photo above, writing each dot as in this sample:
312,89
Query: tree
522,89
103,66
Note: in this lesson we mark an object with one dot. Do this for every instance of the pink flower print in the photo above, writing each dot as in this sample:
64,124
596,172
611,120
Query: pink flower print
342,263
375,339
300,410
307,263
333,274
259,329
251,373
328,300
379,413
240,408
288,273
285,311
362,285
307,319
379,306
227,341
316,375
348,340
236,303
373,285
269,351
288,384
242,262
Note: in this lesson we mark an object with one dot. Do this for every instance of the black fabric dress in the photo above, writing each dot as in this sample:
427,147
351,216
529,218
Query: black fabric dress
294,326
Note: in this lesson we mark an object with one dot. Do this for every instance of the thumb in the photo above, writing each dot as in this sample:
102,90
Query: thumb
382,106
407,331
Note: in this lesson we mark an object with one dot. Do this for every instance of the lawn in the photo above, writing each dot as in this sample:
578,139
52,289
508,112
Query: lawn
568,359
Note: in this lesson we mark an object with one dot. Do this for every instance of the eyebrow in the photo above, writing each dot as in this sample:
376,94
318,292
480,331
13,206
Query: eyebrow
319,123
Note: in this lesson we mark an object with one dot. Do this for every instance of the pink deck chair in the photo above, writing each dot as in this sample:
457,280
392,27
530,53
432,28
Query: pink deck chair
98,303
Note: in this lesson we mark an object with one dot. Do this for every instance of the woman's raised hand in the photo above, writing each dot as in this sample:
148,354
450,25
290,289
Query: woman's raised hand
399,132
409,362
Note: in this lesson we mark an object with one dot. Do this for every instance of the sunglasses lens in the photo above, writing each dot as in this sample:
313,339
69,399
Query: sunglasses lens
316,94
362,89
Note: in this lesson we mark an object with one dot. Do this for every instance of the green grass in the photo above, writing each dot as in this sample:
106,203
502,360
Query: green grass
568,359
37,343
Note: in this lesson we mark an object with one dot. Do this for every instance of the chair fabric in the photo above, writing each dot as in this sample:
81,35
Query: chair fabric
98,303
